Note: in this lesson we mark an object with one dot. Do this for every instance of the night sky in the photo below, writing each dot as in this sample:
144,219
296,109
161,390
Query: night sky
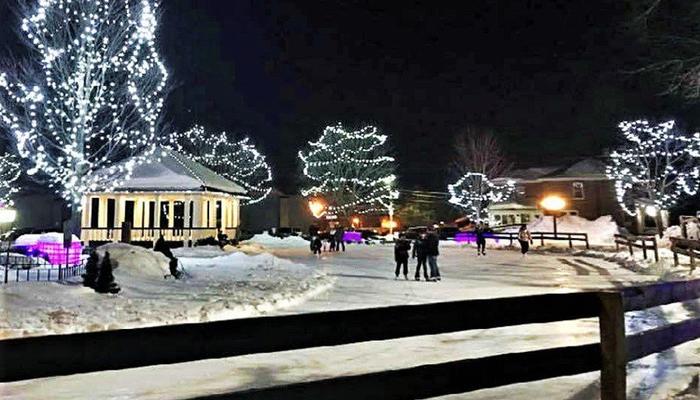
548,76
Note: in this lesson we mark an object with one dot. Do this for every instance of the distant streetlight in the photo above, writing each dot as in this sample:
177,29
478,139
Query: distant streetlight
317,207
355,222
553,205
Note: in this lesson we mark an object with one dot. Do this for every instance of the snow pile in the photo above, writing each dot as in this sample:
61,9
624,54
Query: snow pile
217,285
135,262
29,239
670,232
273,242
600,231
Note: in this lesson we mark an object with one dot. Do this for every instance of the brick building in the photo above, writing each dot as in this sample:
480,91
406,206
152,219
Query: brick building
588,192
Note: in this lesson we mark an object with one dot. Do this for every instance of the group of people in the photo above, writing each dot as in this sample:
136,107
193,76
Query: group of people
331,240
425,250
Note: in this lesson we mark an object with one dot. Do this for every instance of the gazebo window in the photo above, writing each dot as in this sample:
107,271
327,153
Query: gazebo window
179,214
219,210
164,214
151,214
129,212
577,189
111,212
95,212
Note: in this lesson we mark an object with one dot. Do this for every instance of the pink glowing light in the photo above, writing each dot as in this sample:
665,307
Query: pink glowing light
352,237
58,255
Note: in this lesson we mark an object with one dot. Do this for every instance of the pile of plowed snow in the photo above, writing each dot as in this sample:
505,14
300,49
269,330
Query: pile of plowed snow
273,242
135,261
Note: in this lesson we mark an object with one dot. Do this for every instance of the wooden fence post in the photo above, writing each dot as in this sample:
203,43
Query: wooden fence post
613,347
656,249
644,248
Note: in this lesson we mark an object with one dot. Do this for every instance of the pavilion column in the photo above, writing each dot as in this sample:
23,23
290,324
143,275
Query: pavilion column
197,211
171,214
102,218
156,218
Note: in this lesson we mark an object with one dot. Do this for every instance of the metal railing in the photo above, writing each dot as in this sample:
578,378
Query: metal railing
25,269
37,357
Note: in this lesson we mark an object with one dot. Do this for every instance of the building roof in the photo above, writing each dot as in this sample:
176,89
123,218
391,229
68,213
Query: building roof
171,171
588,168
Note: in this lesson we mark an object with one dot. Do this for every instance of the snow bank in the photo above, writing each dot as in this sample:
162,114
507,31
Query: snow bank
135,262
272,242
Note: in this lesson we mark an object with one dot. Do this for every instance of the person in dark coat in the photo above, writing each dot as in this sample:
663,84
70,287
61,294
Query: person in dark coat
419,254
339,235
163,247
401,249
316,245
480,232
432,242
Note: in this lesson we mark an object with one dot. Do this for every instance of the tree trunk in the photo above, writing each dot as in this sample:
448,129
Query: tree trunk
659,224
73,223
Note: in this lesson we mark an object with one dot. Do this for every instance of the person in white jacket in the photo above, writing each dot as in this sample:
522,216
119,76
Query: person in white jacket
525,238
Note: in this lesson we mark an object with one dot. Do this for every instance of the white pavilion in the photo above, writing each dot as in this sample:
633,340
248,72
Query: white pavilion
171,196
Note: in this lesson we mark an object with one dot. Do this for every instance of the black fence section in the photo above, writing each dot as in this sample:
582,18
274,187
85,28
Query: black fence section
36,357
17,268
644,242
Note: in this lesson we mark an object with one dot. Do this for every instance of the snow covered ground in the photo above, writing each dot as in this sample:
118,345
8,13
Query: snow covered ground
218,285
364,278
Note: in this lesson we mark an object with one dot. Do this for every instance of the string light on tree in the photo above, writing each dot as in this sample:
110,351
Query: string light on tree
90,95
656,163
9,173
351,170
474,192
238,161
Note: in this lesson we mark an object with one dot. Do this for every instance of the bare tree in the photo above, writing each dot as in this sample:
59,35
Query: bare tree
669,33
478,151
89,95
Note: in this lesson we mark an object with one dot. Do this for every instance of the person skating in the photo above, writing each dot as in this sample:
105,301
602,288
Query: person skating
339,236
401,249
419,254
331,239
480,232
525,238
316,245
432,242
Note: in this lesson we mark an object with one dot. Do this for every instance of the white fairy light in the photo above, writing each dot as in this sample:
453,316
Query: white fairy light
474,192
9,173
657,163
238,161
352,171
96,92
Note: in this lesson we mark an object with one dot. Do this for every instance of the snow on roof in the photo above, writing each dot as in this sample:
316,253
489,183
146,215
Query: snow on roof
586,168
171,171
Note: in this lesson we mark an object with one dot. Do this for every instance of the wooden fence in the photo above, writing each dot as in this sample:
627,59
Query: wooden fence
36,357
686,247
570,237
644,242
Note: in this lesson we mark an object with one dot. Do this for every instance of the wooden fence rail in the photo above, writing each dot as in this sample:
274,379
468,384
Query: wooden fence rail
639,242
36,357
512,237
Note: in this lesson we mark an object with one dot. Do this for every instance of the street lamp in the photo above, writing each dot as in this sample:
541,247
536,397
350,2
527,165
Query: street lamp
553,205
317,207
7,216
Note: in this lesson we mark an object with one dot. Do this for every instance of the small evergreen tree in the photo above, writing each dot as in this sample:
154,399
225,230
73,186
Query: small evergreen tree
105,280
91,270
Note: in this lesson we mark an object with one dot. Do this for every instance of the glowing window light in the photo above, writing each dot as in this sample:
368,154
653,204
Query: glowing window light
317,207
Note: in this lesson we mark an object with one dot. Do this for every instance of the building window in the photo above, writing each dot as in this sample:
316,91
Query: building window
577,191
151,214
164,214
111,212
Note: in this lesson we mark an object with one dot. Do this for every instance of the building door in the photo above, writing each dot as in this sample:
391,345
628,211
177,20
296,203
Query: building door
164,214
219,211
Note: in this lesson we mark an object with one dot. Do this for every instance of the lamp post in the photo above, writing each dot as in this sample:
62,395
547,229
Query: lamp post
7,216
553,205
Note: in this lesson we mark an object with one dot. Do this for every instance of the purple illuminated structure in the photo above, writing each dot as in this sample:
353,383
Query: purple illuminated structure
57,255
50,247
352,237
470,237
